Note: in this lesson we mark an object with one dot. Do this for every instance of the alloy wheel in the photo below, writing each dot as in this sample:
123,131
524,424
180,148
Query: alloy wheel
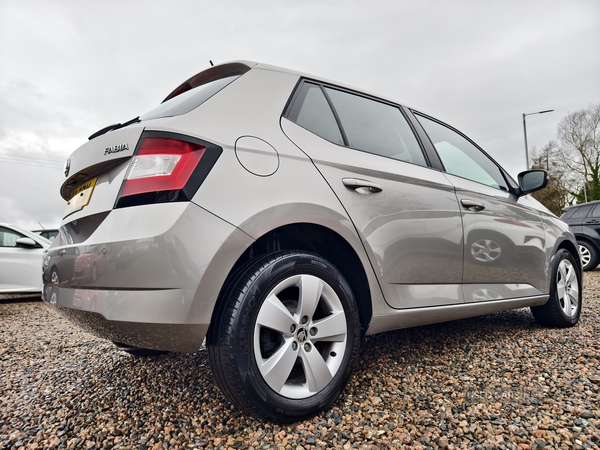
300,336
567,288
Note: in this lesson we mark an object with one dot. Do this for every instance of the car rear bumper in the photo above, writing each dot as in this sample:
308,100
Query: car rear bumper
155,319
162,276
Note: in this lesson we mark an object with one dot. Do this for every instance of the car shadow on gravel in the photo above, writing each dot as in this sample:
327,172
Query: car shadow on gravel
4,298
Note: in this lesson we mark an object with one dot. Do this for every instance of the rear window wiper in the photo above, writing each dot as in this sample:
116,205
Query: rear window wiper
115,126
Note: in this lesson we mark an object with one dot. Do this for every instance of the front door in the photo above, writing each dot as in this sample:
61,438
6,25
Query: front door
504,240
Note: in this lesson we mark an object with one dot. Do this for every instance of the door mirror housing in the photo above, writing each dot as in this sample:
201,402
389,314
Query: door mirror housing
532,180
26,242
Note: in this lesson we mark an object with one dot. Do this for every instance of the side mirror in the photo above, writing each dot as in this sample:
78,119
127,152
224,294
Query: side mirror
26,243
532,180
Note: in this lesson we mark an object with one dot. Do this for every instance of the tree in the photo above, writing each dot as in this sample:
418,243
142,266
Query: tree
579,151
556,195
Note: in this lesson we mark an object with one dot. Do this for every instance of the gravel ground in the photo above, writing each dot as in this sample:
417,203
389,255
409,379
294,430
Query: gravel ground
498,381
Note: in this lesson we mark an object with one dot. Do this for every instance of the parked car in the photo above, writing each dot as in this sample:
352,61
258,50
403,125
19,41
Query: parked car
284,217
90,263
21,254
584,221
60,265
48,233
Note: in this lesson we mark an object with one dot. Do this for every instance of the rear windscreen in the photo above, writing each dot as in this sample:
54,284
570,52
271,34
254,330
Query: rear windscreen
189,100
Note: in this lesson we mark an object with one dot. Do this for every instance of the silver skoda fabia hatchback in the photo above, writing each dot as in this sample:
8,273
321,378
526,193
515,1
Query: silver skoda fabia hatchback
284,217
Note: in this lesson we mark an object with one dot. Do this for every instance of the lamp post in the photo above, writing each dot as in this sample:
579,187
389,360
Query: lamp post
525,134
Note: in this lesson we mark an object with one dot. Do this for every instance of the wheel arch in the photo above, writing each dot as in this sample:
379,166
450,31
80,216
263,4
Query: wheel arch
571,248
588,239
316,239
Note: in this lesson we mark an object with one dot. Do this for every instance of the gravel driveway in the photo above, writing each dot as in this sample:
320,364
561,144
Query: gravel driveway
498,381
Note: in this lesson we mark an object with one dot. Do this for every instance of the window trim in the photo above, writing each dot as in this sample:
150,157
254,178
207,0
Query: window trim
512,186
403,111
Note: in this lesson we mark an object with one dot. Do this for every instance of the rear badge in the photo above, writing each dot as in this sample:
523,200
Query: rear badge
116,149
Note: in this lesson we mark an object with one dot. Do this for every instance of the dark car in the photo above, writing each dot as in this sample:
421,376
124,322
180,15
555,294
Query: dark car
49,234
584,221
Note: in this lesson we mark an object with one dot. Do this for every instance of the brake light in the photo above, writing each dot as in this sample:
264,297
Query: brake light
161,164
166,168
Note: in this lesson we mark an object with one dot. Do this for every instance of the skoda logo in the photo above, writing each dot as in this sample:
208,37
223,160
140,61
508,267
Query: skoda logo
67,166
302,335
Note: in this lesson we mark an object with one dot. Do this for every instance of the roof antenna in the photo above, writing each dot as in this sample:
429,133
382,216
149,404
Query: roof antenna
41,225
211,63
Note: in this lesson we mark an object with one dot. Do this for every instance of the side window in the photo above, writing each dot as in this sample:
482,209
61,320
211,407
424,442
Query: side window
311,111
376,127
567,214
8,238
596,212
460,157
581,213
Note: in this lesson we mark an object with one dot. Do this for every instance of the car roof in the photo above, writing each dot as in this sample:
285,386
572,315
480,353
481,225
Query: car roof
254,65
579,205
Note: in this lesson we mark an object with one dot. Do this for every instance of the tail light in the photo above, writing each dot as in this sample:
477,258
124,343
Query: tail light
166,167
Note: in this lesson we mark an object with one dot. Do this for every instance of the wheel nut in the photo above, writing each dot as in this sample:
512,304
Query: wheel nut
294,346
293,329
304,319
307,347
313,331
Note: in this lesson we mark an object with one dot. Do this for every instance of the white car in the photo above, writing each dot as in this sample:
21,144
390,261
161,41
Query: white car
21,254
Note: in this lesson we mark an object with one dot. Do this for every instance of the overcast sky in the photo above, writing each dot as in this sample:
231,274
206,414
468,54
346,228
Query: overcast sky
69,68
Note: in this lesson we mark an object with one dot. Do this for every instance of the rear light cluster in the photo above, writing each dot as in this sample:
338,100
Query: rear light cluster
166,168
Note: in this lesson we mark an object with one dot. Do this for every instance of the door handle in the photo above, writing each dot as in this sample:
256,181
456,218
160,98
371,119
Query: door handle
361,186
472,205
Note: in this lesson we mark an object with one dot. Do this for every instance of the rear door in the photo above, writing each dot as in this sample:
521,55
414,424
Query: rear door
406,213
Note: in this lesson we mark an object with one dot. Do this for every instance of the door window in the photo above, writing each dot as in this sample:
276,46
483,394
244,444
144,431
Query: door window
376,127
460,157
361,123
582,212
8,238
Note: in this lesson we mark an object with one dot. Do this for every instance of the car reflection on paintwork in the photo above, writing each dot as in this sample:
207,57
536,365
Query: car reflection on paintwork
92,262
61,264
90,300
492,247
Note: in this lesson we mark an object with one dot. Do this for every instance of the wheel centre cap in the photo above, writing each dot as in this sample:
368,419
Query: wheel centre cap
302,335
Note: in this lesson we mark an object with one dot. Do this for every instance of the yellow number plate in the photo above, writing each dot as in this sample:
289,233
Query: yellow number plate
81,197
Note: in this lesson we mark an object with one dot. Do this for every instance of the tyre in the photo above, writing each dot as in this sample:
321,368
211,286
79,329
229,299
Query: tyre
564,305
286,337
94,272
588,255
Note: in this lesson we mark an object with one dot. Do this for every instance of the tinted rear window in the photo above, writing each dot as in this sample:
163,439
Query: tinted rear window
189,100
